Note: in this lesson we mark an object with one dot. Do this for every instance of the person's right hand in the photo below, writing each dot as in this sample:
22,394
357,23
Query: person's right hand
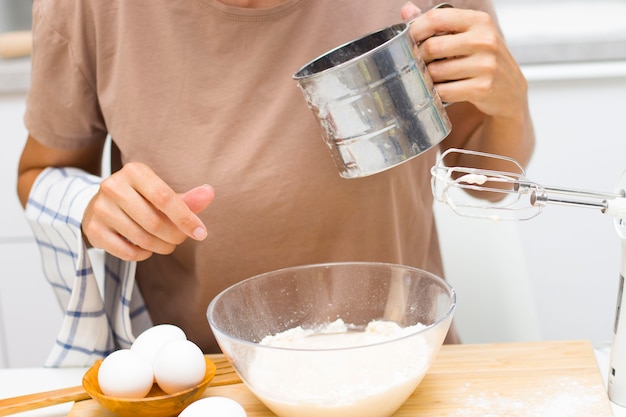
135,214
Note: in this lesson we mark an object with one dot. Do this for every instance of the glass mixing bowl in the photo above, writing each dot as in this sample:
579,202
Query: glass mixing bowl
324,361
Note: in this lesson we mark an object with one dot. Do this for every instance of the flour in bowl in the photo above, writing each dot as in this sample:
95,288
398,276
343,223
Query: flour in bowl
339,335
339,370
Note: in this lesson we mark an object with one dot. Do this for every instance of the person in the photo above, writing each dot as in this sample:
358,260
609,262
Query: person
218,171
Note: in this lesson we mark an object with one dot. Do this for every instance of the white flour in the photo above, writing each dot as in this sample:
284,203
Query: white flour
345,335
565,398
320,377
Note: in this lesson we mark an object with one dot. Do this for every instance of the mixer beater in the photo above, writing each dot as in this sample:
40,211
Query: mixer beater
506,194
514,196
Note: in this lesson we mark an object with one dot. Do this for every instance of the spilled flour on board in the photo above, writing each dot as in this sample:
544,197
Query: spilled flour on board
565,398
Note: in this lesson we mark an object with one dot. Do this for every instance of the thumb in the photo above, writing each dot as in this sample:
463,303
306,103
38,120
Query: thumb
199,198
410,11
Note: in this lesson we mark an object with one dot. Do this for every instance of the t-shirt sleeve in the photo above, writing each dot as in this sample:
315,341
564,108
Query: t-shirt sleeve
62,105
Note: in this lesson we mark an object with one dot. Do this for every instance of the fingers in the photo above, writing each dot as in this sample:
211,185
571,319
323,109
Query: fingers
164,213
468,60
135,214
481,64
409,11
199,198
458,36
438,21
102,236
107,227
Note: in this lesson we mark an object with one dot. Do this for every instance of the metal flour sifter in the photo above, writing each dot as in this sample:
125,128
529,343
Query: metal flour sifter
508,195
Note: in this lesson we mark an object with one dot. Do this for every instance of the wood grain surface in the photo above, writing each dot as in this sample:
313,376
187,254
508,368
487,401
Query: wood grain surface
555,379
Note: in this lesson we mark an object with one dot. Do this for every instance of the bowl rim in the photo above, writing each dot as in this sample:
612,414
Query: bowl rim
437,278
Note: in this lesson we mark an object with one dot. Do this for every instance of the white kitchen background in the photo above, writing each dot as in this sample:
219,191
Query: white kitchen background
552,277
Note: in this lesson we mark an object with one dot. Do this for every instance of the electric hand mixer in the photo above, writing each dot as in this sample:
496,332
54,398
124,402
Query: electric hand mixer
517,198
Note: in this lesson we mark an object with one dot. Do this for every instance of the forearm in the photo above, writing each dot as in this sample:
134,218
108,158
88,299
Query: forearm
36,157
25,182
512,137
510,134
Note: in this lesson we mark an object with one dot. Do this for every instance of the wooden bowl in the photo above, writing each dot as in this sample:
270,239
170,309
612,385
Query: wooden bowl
156,404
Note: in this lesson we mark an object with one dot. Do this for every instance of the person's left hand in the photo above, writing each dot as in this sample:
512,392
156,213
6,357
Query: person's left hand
468,59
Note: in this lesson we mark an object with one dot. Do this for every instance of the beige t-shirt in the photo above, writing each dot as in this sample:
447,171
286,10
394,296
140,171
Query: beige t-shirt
202,93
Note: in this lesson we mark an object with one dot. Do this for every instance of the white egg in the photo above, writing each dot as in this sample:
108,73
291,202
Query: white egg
148,343
125,374
179,365
214,406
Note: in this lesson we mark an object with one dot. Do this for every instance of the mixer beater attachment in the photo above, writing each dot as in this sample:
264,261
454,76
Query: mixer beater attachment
506,194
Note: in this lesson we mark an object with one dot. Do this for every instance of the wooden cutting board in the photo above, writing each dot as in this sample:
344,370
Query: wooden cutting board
534,379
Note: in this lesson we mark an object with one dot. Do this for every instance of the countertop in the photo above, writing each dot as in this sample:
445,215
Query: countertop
25,381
